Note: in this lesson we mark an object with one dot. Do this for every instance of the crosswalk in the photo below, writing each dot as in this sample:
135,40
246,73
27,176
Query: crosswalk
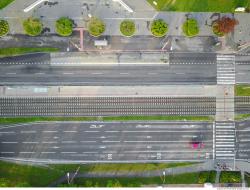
225,69
224,140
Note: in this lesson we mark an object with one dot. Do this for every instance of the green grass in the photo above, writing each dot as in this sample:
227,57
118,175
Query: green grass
187,178
115,118
247,179
199,5
207,177
230,177
242,90
8,52
13,175
4,3
242,116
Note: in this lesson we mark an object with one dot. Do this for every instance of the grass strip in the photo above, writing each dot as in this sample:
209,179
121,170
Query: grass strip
17,175
242,116
5,3
115,118
8,52
221,6
187,178
242,90
230,177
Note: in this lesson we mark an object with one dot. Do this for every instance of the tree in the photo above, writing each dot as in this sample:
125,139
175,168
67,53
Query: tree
190,28
33,26
224,26
96,27
4,28
127,27
159,28
64,26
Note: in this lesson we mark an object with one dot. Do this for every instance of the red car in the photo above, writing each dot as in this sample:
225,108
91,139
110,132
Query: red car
196,143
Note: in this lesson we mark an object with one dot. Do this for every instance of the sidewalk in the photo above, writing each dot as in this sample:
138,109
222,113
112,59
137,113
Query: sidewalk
169,171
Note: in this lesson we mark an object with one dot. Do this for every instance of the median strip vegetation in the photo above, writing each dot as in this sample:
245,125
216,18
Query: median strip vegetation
242,90
5,3
8,52
114,118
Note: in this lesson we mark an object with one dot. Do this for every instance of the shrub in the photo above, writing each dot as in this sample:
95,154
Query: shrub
32,26
64,26
159,28
96,27
190,28
230,177
4,27
127,27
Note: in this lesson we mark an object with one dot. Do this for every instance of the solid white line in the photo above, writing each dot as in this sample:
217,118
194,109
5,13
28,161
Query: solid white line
9,142
8,132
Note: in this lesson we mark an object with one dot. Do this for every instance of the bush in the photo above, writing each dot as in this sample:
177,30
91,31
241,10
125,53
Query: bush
224,26
230,177
32,26
4,27
64,26
190,28
127,27
159,28
207,177
96,27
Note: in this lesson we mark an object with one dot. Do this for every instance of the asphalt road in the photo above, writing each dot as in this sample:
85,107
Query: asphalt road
242,72
107,75
106,141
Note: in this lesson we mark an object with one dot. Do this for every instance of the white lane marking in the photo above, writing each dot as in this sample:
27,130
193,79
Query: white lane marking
180,73
112,131
51,142
70,131
7,152
102,147
39,73
7,132
152,73
48,152
111,141
160,151
91,131
30,142
26,152
96,73
50,131
28,132
87,141
124,73
11,73
68,152
9,142
68,73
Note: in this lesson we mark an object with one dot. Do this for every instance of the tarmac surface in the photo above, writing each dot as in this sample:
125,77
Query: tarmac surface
106,141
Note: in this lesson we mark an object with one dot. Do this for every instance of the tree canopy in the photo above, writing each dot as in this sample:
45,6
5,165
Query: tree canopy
224,26
190,28
4,27
159,28
64,26
33,26
127,27
96,27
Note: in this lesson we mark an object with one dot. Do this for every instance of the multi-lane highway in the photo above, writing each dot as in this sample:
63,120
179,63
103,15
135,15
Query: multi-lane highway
108,141
29,74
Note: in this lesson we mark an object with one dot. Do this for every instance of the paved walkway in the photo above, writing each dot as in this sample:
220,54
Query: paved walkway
169,171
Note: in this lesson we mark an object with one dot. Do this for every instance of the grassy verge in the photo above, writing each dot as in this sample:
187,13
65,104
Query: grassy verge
242,116
115,118
199,5
242,90
4,3
16,175
187,178
230,177
102,168
8,52
207,177
247,179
